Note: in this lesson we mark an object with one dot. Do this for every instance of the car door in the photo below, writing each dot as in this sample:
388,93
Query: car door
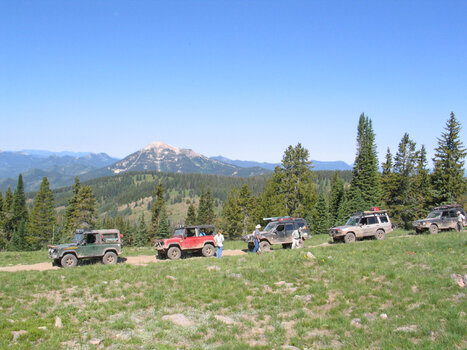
372,225
289,228
89,247
279,234
444,224
191,240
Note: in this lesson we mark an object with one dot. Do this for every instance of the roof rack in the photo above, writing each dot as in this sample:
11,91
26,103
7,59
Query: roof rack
367,212
278,218
448,206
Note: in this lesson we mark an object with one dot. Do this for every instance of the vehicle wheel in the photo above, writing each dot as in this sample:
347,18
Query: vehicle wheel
69,260
287,245
251,247
109,258
380,235
418,231
349,238
434,229
208,250
174,253
56,263
264,246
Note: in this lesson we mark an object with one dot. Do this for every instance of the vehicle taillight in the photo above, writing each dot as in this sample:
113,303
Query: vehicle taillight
121,236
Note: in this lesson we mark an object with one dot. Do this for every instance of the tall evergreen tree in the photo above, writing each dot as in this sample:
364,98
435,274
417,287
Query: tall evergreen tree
3,240
232,214
163,228
206,214
70,224
365,179
191,215
8,214
402,201
141,235
158,198
42,220
81,210
448,176
336,197
322,222
18,240
20,211
422,185
293,183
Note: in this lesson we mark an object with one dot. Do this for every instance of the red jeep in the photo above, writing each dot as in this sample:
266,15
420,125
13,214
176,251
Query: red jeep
191,239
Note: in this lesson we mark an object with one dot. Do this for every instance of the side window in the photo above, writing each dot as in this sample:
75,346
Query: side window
190,232
363,221
90,239
109,238
453,214
383,219
372,220
445,214
280,228
289,227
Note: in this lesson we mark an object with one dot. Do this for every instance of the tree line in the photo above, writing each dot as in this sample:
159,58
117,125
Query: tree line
405,186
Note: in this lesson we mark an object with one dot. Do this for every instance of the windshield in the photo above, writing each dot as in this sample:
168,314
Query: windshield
78,237
352,221
179,232
434,214
270,226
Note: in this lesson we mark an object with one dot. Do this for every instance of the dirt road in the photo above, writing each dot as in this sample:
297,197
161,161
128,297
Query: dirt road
141,260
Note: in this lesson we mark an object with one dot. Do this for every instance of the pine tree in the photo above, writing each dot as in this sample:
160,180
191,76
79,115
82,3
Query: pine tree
159,203
141,235
8,214
422,185
163,228
206,214
365,179
246,203
403,200
18,239
191,215
85,213
69,224
42,218
292,182
322,222
448,176
336,197
3,240
20,211
81,210
232,214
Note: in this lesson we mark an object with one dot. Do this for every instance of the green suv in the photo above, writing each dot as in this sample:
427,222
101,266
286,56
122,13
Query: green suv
95,244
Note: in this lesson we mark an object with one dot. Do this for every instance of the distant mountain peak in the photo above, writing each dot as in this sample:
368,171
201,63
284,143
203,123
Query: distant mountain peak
161,147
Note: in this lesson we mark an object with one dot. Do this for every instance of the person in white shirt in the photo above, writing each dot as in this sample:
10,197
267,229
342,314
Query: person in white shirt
296,236
219,240
460,221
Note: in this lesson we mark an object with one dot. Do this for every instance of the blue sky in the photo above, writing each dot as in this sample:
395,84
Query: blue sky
243,79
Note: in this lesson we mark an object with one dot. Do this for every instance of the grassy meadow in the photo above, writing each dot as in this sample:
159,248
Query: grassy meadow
396,293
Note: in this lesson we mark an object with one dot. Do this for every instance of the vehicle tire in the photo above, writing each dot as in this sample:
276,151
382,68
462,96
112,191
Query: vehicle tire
69,260
264,246
418,231
286,245
109,258
434,229
174,253
208,250
251,247
56,262
380,235
349,237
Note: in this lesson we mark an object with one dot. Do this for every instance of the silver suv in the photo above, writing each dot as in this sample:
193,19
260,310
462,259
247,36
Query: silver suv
375,223
440,218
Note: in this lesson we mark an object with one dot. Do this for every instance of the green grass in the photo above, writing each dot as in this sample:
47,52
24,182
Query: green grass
122,306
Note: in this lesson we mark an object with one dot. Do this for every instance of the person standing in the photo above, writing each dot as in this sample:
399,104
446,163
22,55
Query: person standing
257,237
219,240
296,236
460,221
